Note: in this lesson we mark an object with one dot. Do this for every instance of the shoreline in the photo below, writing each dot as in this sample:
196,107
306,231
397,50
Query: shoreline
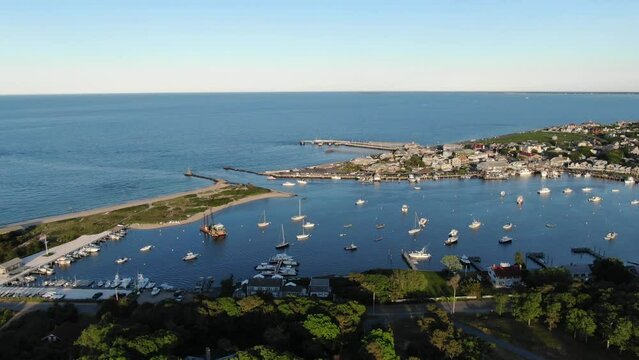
220,184
273,194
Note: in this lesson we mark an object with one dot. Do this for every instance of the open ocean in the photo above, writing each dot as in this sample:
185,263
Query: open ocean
60,154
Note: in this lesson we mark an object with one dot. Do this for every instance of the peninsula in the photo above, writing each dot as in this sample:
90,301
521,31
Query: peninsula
22,239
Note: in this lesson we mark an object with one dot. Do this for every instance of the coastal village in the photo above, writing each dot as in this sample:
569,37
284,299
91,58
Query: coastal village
591,149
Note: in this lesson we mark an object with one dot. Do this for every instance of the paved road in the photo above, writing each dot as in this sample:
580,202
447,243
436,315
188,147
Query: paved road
393,312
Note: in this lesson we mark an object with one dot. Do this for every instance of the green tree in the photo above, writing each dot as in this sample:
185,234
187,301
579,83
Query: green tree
621,335
321,327
262,353
611,269
452,263
553,315
157,343
580,321
348,316
453,282
501,302
528,307
95,339
471,287
379,345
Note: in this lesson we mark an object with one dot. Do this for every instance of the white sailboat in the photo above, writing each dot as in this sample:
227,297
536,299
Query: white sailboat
299,216
263,224
303,235
417,229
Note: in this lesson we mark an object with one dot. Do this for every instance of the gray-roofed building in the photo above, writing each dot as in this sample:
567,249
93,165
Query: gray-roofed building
579,271
11,265
319,287
272,286
293,289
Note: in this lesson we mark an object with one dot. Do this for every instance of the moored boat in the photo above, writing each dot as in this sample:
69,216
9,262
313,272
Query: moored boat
283,244
190,256
299,216
567,191
520,200
475,225
404,209
505,240
146,248
360,202
420,254
610,236
451,240
595,199
508,226
453,232
629,181
122,260
350,247
543,191
288,183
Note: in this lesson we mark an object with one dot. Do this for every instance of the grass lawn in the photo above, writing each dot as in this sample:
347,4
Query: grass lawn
538,136
22,243
537,339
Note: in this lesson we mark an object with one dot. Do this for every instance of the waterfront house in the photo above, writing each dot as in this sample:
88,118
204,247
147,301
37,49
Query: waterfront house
10,266
504,275
293,289
271,286
319,287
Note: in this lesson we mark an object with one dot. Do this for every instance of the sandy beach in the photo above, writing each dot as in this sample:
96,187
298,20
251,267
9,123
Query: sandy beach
220,184
213,210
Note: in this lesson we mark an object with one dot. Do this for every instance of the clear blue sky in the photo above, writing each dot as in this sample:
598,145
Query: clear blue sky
173,46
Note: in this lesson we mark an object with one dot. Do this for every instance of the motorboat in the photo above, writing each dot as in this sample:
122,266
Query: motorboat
520,200
348,226
634,202
615,190
63,261
417,187
265,266
419,254
417,229
141,282
91,249
587,175
125,283
263,223
190,256
551,226
122,260
116,281
502,193
146,248
107,284
422,222
464,260
150,285
360,202
544,174
271,177
451,240
508,226
453,232
377,178
505,240
350,247
595,199
586,189
404,209
100,283
380,226
379,238
155,291
308,225
567,191
525,172
543,191
335,177
283,244
299,216
475,225
610,236
302,182
288,183
629,181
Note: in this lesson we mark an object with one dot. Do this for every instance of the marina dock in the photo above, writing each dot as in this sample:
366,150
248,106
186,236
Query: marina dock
538,258
411,263
374,145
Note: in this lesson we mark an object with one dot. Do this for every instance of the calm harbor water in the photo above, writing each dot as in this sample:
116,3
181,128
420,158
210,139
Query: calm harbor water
60,154
67,153
447,204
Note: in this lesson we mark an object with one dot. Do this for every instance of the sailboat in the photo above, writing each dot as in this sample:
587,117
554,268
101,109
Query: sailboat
283,244
263,224
299,216
308,225
303,235
417,229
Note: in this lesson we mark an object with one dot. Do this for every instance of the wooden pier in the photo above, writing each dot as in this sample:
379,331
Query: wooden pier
537,258
587,251
411,263
375,145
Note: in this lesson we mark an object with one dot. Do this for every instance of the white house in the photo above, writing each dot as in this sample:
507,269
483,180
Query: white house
504,275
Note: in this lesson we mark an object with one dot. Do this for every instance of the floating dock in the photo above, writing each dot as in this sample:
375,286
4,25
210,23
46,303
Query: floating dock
538,258
411,263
